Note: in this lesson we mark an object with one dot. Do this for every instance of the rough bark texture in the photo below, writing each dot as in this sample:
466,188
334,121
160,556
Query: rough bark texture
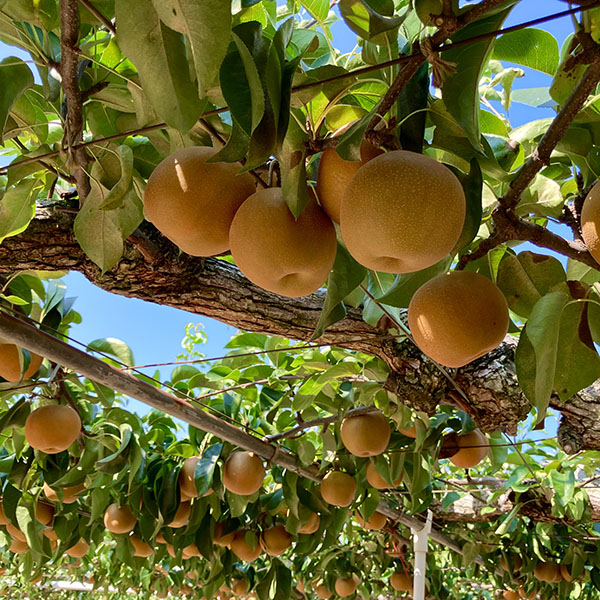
468,508
216,289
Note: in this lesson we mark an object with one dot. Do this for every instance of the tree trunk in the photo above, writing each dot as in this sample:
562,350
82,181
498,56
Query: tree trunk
152,269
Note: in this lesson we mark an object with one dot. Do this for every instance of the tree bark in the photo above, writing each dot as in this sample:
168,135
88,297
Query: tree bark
468,509
216,289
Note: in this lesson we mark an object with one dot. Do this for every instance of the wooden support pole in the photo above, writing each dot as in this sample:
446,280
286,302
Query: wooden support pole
20,332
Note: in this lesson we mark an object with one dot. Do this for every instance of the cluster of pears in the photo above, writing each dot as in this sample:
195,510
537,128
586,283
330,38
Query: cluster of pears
44,514
368,435
207,208
547,572
398,212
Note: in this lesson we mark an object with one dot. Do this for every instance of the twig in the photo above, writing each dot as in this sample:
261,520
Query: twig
507,227
97,87
152,255
417,58
541,155
240,386
74,125
48,166
108,24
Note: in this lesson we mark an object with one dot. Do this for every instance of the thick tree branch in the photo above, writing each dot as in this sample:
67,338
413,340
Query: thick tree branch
509,227
69,70
468,509
216,289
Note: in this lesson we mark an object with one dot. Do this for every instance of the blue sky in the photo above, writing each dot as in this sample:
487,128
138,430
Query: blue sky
154,332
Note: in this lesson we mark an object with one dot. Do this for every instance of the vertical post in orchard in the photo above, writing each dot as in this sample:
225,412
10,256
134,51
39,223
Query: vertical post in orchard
420,539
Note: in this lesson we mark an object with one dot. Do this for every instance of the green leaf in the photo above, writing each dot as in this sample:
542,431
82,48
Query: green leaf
99,232
472,183
207,25
461,90
405,285
264,587
578,363
160,56
543,197
114,347
236,147
292,162
543,330
411,102
255,110
17,208
370,18
290,482
15,78
565,80
533,48
16,415
344,278
205,469
556,351
283,577
115,462
114,198
563,484
525,278
319,9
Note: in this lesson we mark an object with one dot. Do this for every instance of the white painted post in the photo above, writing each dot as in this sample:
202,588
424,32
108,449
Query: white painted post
420,538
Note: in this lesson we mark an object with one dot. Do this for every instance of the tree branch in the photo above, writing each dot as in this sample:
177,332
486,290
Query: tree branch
541,155
509,227
69,67
417,58
468,509
108,24
216,289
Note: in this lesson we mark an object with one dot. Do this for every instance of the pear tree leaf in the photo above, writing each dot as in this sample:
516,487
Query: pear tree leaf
406,284
17,208
461,89
319,9
472,183
533,48
292,163
526,277
114,347
99,232
114,198
160,56
344,278
15,78
205,469
556,352
207,25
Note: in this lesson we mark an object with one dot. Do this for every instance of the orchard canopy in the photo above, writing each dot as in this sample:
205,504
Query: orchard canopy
414,282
